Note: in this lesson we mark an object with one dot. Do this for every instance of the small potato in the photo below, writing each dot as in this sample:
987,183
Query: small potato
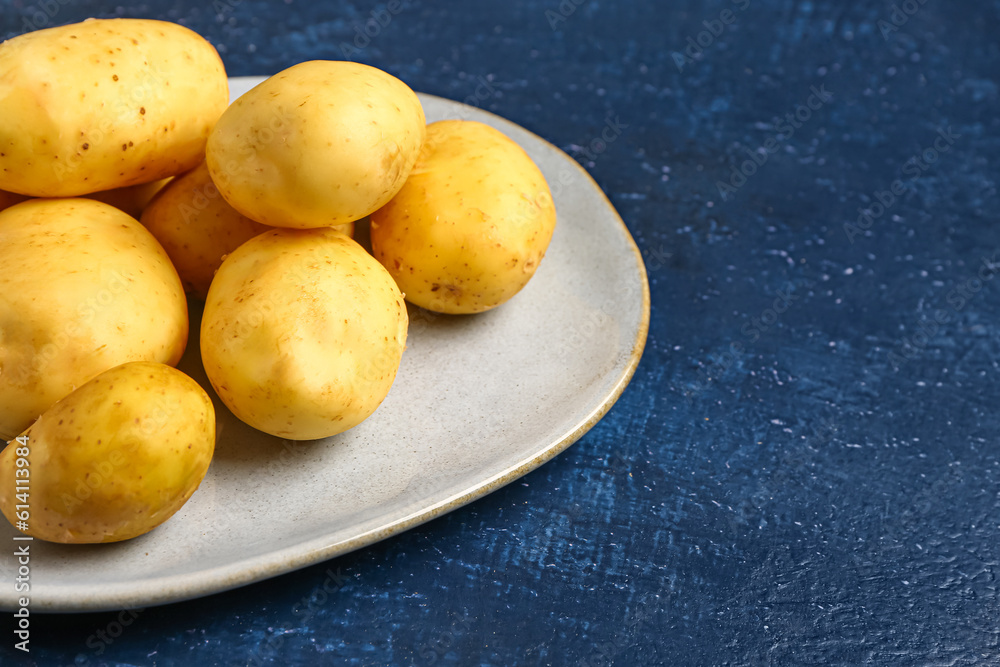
303,333
114,459
197,228
8,199
105,104
84,288
470,226
320,144
133,199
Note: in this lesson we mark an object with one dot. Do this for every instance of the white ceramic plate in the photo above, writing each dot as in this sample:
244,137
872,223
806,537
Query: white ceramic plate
478,402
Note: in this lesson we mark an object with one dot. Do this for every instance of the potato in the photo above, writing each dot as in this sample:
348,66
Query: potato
197,228
8,199
303,333
84,288
132,199
114,459
470,226
319,144
105,104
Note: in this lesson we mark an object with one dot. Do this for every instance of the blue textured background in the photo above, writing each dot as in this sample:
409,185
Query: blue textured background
827,493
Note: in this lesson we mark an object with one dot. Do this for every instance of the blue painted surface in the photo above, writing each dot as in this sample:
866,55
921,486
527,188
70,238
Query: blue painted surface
812,486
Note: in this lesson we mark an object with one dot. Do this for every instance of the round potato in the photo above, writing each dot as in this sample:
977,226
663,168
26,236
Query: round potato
303,333
84,288
8,199
105,104
320,144
197,227
132,199
112,460
472,223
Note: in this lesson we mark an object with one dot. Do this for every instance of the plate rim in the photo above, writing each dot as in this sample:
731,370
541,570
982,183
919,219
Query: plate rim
185,587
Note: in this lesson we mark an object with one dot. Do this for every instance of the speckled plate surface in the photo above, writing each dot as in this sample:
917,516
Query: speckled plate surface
478,402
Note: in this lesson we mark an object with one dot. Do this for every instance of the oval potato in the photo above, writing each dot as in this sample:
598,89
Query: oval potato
197,228
132,199
84,288
105,104
320,144
115,458
470,226
303,333
8,199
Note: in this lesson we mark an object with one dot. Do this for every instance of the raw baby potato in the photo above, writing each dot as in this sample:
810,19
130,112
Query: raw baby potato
84,288
8,199
197,227
303,333
320,144
132,199
114,459
104,104
470,226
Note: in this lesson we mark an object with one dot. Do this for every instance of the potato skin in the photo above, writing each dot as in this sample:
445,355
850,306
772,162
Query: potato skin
84,288
319,144
302,333
472,223
114,459
104,104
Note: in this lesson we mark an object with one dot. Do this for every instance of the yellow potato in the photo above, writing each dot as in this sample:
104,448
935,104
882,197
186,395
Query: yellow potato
113,460
197,227
8,199
84,288
319,144
132,199
470,226
303,333
105,104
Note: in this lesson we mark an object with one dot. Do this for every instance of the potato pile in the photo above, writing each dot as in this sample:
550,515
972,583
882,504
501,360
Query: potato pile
130,191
